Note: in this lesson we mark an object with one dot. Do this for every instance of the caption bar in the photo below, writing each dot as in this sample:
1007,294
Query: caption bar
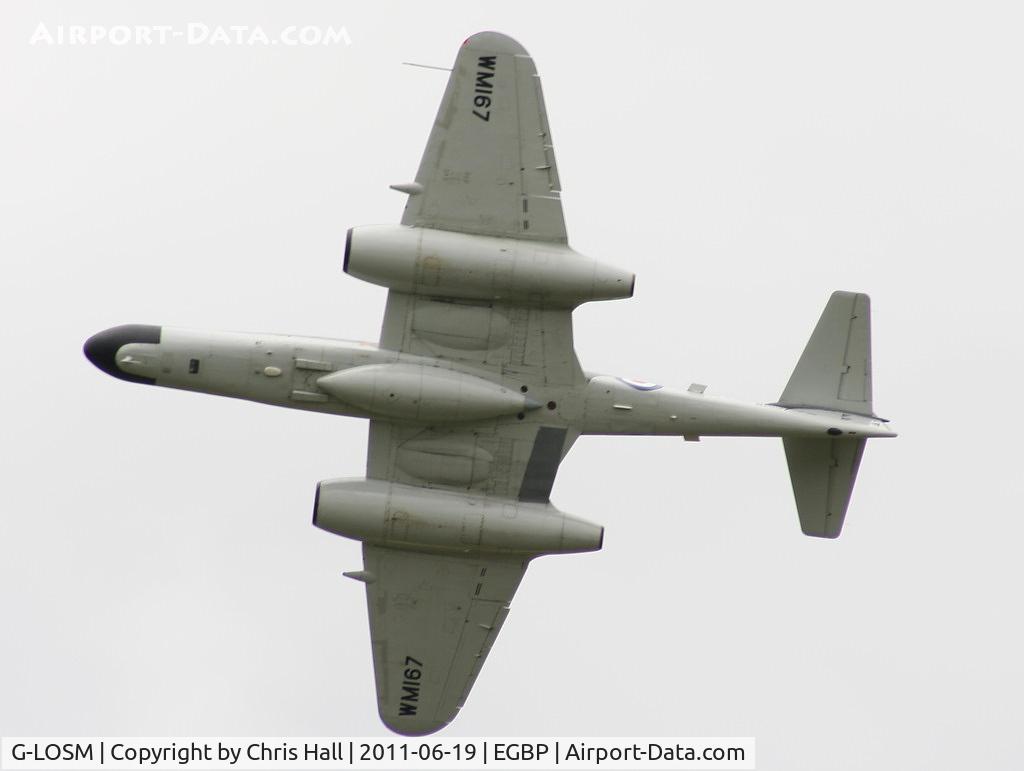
290,753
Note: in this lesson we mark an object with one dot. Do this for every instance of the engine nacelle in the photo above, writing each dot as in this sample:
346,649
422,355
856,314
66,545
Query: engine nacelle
398,515
442,263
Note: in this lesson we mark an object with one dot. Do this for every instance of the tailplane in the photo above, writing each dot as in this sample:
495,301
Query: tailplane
823,472
833,374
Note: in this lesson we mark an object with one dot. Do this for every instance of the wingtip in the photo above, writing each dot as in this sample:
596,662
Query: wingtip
494,41
822,535
413,727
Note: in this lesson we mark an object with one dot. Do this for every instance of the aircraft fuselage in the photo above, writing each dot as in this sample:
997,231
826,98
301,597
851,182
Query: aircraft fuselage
362,380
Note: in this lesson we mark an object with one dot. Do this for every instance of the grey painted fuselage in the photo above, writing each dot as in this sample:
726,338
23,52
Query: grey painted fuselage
284,370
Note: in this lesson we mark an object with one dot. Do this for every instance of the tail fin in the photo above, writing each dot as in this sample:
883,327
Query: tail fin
834,373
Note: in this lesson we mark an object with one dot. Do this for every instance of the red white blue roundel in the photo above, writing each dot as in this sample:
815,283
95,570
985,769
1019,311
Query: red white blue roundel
640,385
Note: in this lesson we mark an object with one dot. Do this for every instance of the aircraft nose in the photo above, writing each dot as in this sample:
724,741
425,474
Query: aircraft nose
101,349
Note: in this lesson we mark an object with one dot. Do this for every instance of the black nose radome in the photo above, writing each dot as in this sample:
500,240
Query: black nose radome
101,349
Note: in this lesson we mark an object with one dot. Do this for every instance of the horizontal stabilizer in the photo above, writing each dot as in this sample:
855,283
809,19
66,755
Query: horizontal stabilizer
834,372
823,472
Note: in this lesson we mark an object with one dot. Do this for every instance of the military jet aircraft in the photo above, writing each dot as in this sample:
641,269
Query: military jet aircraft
474,393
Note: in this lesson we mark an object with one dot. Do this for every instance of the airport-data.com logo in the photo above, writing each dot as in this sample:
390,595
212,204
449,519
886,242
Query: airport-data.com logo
195,33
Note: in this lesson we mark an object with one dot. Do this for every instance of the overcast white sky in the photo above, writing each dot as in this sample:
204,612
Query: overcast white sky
158,571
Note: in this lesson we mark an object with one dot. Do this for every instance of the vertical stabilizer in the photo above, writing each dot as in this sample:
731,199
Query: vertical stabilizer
834,372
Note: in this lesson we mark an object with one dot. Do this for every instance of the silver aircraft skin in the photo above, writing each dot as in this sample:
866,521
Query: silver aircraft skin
474,393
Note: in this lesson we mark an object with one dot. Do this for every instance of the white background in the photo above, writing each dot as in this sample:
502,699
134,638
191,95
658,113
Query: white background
158,571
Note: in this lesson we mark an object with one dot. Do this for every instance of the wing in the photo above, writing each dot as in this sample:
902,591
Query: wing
530,345
433,619
516,461
489,167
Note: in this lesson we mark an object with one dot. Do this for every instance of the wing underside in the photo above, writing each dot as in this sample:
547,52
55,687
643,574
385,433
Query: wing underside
489,166
433,619
488,169
534,345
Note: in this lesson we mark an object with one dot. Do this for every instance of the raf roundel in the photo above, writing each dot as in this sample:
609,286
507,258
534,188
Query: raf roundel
640,385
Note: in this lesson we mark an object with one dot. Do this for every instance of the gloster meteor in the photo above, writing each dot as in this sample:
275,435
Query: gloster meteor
474,393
